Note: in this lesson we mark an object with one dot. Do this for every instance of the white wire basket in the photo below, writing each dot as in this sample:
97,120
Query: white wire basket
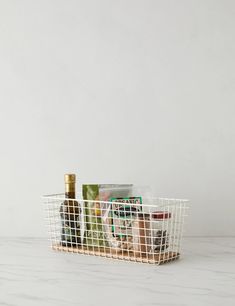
150,233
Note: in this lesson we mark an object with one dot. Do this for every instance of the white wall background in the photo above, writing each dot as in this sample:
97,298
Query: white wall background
118,91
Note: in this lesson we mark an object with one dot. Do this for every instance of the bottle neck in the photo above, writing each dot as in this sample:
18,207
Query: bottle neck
70,192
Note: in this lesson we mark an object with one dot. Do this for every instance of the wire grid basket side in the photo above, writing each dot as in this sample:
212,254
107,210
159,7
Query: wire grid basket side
150,233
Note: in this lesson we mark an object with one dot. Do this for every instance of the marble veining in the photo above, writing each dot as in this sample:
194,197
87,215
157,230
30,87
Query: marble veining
32,274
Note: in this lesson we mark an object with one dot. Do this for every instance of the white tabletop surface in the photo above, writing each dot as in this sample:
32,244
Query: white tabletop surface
32,274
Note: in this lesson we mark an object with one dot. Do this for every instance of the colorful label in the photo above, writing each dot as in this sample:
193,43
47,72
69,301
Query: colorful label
123,214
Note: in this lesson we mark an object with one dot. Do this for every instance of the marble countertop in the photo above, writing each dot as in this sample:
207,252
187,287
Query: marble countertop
32,274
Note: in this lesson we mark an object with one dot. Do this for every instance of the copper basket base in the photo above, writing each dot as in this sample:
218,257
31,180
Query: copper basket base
122,255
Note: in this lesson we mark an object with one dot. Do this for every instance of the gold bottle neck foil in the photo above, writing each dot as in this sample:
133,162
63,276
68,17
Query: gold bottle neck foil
70,188
70,185
69,178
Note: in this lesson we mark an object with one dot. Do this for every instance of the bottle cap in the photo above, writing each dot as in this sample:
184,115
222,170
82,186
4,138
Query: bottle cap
70,178
160,215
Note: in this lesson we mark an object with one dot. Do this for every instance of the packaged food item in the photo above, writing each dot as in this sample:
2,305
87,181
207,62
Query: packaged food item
124,212
107,225
142,234
122,216
97,213
160,228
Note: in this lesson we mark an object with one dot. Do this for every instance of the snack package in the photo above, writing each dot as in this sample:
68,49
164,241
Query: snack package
124,213
123,223
98,231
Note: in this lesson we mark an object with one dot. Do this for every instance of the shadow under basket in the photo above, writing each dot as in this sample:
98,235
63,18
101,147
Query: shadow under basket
152,235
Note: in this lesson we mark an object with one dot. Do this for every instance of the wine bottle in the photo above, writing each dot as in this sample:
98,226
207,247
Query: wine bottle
70,212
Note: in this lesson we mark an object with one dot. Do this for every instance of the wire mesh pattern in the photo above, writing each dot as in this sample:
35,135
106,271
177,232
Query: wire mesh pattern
148,233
